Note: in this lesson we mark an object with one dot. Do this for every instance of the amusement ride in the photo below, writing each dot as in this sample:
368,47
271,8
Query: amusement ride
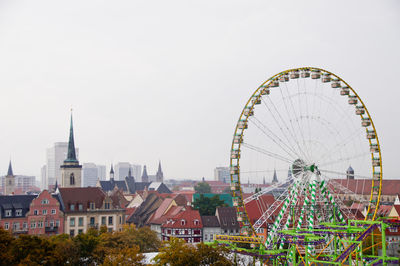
311,124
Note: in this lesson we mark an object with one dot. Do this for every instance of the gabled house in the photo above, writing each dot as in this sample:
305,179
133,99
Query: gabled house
90,207
186,225
228,220
142,214
211,227
13,210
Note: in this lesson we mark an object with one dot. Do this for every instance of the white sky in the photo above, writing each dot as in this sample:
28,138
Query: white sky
167,80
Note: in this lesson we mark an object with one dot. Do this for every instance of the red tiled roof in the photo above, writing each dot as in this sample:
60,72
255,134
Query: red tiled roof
83,195
171,213
161,209
363,186
189,217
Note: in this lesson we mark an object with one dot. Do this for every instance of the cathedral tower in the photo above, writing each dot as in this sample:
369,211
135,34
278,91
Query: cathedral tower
159,175
9,181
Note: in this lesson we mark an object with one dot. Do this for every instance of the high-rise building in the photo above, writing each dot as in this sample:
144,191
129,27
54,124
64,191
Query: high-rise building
90,174
222,174
55,157
121,170
101,172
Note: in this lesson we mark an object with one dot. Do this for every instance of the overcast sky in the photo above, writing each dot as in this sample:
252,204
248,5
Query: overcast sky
167,80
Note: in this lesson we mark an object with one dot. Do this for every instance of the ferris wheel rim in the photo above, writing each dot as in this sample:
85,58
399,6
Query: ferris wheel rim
256,95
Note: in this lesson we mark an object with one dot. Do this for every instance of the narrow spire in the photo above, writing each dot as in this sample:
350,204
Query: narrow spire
145,177
112,173
10,171
275,178
159,167
130,172
71,156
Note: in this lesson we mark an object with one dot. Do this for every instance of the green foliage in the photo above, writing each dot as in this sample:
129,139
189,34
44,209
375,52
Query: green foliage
92,248
202,188
176,252
207,206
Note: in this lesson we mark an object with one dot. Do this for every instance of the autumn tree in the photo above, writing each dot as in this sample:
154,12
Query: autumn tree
176,252
6,240
126,256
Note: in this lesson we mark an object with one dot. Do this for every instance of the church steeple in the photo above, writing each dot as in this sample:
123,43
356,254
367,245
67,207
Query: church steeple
71,171
275,178
145,177
112,173
10,171
159,175
71,155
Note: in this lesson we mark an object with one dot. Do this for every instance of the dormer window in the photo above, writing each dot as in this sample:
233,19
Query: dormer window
196,222
91,205
8,213
183,222
18,212
107,205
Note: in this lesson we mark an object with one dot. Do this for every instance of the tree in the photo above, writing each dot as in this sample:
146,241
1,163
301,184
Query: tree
177,252
124,256
202,188
32,250
88,247
207,206
6,240
65,251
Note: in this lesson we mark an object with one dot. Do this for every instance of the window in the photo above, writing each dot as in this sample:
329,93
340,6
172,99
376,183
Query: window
80,221
72,207
35,212
211,237
25,225
80,231
107,205
196,222
51,223
45,201
103,220
33,224
40,224
72,221
205,237
92,220
44,212
110,220
8,213
72,179
80,207
120,220
110,230
58,223
91,205
183,222
6,226
53,211
71,232
18,212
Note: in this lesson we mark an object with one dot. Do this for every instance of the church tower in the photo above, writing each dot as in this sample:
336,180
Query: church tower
145,177
275,178
9,181
71,171
350,173
159,175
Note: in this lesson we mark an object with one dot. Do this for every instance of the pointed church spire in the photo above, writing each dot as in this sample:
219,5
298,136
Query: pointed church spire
10,171
71,156
159,174
130,172
275,178
112,173
145,177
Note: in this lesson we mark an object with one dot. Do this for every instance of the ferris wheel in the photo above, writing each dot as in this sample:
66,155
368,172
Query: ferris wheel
313,130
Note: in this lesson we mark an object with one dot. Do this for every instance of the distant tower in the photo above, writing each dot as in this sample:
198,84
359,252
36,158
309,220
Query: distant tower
145,177
130,174
264,180
71,171
112,173
159,175
275,178
9,181
350,173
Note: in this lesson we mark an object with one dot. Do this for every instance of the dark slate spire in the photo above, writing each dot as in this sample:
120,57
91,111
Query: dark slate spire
112,173
145,177
275,178
71,156
129,172
159,175
10,171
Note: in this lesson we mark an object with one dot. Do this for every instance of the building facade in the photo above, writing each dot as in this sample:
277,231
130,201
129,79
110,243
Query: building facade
89,207
222,174
187,225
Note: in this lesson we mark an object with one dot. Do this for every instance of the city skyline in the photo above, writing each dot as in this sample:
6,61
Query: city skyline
169,83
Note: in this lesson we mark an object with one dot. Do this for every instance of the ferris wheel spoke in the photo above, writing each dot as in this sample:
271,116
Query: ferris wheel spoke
364,154
267,190
306,148
292,127
343,174
268,153
284,125
271,135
